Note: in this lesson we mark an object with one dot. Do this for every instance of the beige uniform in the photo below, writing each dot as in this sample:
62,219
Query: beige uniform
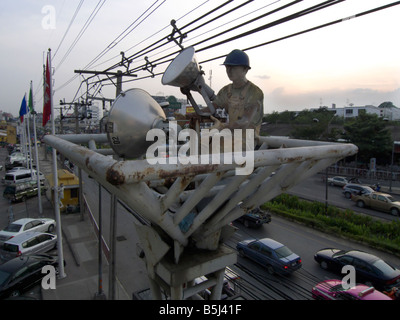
244,106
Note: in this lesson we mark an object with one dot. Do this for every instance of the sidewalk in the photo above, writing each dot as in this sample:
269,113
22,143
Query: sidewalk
80,252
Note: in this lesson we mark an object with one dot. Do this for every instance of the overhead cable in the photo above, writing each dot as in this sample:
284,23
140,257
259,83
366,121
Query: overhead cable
69,26
143,51
313,29
293,35
83,30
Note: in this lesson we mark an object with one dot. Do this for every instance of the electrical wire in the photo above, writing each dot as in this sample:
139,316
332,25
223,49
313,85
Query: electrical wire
313,28
69,26
114,42
82,31
281,38
143,52
255,30
277,22
122,35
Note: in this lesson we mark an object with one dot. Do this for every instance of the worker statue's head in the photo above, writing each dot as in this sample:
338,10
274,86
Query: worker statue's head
237,64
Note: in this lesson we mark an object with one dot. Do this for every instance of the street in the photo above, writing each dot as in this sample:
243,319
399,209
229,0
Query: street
314,189
255,282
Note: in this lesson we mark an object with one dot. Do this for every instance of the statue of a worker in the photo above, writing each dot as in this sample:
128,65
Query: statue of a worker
242,100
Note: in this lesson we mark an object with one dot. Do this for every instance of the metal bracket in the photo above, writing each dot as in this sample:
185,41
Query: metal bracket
181,35
149,66
124,61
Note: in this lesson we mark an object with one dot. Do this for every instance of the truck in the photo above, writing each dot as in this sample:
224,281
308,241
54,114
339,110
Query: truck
255,218
379,201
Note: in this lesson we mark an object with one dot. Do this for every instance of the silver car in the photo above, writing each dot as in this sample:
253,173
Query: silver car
28,243
25,225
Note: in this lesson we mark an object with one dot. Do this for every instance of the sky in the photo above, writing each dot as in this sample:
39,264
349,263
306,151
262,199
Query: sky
351,62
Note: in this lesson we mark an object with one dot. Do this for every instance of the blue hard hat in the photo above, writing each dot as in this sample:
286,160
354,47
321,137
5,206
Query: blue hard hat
237,58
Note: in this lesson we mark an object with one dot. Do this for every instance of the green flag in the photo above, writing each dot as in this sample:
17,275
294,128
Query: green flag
30,100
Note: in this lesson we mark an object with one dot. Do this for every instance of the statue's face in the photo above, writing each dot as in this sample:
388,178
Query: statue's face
236,73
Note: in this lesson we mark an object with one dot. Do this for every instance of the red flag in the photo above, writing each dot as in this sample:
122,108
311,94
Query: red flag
47,97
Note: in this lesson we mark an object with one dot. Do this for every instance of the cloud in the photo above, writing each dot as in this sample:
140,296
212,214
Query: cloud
263,77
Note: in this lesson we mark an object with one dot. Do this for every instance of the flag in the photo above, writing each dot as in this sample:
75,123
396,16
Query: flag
23,110
47,97
30,100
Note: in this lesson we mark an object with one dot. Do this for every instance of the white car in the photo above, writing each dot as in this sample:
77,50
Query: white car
27,224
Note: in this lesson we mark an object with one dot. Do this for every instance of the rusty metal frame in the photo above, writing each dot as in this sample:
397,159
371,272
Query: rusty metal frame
131,180
194,203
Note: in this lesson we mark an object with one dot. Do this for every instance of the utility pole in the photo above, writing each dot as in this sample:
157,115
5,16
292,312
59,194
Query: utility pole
76,105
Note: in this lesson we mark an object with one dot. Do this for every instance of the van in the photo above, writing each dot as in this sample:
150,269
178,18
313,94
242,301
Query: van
21,191
19,176
28,243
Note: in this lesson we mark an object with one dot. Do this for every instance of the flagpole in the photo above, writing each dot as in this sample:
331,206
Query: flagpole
31,105
29,143
61,273
23,126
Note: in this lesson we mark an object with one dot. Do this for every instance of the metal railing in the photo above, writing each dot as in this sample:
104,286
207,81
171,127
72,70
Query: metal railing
193,204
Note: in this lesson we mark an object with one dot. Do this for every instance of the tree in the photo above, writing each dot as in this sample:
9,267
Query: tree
369,134
387,104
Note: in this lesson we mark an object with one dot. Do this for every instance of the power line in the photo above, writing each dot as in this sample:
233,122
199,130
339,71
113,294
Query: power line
116,41
143,52
288,36
290,17
113,43
83,30
69,26
151,36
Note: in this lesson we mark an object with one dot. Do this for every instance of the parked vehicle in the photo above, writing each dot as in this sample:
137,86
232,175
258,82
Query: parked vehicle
20,274
338,181
22,191
333,290
271,254
18,176
378,201
255,218
28,243
370,269
355,189
16,159
27,224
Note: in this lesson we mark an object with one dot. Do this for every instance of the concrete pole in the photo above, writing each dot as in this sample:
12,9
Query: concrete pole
60,252
113,227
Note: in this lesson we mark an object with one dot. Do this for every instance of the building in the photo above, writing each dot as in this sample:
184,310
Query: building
68,184
387,113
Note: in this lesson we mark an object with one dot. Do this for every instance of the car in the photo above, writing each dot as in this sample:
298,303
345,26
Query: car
356,189
20,274
273,255
379,201
333,290
16,159
255,218
28,243
370,269
27,224
338,181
